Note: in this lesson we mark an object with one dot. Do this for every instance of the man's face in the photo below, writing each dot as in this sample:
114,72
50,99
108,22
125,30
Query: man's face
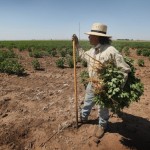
94,40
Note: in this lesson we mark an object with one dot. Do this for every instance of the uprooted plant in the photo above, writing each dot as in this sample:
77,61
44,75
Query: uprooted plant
108,86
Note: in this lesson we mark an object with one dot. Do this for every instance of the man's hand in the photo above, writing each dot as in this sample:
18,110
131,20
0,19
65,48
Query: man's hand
75,39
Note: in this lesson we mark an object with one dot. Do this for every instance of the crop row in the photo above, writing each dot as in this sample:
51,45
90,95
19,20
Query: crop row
40,45
62,49
59,44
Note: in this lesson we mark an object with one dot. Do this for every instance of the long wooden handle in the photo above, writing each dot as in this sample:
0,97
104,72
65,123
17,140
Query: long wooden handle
75,83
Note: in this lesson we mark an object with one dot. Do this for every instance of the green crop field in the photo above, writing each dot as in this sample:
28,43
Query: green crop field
61,48
37,76
43,45
59,44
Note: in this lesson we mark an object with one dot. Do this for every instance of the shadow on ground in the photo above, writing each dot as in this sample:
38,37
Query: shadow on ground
135,131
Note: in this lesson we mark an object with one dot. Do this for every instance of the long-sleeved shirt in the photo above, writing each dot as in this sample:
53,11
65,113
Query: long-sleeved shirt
103,53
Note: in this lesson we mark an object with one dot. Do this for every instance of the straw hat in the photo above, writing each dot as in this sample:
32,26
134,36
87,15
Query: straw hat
98,29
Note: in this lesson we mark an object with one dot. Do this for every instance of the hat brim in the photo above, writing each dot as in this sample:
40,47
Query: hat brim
97,34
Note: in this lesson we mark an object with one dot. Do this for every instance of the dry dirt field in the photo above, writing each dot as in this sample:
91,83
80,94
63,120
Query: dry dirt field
37,112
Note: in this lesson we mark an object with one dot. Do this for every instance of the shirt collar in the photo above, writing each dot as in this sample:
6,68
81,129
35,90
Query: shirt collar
97,46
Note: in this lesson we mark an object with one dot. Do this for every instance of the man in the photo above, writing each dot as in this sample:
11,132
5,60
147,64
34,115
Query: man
101,51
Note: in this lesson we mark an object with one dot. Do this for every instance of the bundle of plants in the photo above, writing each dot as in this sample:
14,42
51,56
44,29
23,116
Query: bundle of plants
112,91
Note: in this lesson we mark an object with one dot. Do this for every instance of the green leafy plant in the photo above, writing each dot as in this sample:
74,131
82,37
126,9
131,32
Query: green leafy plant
141,62
52,52
4,54
126,51
70,52
38,53
112,94
11,66
63,53
70,61
36,64
138,51
146,52
60,62
108,86
84,78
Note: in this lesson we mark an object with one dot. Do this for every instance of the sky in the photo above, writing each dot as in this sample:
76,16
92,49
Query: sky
60,19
